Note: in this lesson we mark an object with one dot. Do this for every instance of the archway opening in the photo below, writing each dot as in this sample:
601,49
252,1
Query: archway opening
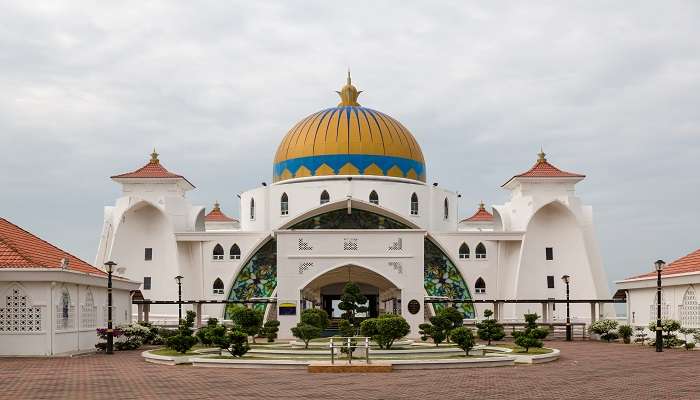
325,291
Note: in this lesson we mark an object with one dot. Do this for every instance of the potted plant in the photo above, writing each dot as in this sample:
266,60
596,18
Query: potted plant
625,332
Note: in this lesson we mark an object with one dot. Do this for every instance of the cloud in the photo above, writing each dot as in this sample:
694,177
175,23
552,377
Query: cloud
86,91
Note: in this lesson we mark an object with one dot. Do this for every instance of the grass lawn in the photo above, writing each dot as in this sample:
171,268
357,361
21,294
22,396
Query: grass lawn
172,353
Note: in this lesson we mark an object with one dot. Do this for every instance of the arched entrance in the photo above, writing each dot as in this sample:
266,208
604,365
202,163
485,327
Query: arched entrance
325,291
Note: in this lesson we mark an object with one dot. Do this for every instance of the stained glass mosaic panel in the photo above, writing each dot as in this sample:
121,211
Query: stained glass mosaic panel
257,278
442,278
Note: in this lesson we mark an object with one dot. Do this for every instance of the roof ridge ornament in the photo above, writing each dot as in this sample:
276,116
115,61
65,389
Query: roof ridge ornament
217,206
541,156
154,157
482,206
348,94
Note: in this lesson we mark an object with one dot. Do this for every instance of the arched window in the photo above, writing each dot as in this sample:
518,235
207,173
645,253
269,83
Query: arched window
252,208
480,252
218,287
284,204
447,208
235,252
88,311
414,204
325,197
464,251
374,197
19,313
689,310
64,311
218,253
480,286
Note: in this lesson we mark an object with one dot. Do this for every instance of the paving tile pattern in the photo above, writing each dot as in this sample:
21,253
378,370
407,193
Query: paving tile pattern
586,370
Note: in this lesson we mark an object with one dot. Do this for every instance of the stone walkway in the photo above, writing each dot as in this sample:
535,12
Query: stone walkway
586,370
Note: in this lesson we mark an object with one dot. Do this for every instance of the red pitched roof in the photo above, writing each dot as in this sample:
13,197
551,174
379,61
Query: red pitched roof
686,264
481,215
543,169
21,249
154,169
216,215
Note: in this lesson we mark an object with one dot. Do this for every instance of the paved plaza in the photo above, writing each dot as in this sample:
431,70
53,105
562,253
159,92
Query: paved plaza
586,370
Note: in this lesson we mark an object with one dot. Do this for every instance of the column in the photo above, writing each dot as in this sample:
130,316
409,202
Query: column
593,314
545,316
198,310
146,311
139,312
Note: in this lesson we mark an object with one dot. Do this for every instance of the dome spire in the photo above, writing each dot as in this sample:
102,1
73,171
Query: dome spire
540,156
348,94
154,157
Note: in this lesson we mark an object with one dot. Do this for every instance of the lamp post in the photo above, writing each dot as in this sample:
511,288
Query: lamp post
179,297
659,264
109,267
567,279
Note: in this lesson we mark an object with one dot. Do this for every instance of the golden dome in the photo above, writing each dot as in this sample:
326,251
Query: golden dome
349,140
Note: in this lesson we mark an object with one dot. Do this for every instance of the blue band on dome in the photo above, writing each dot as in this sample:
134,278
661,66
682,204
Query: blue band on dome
359,161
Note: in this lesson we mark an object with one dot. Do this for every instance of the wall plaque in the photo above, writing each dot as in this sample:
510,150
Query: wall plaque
413,306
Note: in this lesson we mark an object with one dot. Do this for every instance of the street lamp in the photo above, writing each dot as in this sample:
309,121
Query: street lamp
567,279
179,297
659,264
109,267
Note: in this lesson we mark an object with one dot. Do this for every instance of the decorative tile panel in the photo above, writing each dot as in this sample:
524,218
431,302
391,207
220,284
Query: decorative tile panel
397,245
19,314
304,245
305,266
350,244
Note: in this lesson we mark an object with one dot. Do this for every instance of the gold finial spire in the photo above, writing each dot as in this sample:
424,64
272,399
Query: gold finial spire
217,206
349,93
540,156
154,156
482,206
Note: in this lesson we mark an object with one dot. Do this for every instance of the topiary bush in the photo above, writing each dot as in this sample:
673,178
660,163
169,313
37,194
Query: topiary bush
489,329
316,317
686,332
640,335
345,328
669,327
203,332
532,335
183,340
606,328
248,320
270,330
306,332
464,338
385,329
438,329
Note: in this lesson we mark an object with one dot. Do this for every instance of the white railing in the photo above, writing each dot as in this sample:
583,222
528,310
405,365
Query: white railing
349,343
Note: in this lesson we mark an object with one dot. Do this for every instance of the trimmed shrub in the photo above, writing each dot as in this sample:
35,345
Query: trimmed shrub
464,338
489,329
270,330
316,317
438,329
345,328
306,332
385,329
203,332
668,326
532,335
248,320
183,340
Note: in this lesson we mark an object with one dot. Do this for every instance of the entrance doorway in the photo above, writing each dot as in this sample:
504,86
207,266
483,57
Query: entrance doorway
329,302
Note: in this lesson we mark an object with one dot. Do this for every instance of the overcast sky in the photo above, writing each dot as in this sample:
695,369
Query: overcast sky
609,89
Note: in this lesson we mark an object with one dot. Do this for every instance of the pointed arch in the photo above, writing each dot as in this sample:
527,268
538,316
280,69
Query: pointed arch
218,252
218,286
235,252
414,204
480,286
374,197
325,197
88,311
65,311
446,208
480,251
252,208
464,251
284,204
689,310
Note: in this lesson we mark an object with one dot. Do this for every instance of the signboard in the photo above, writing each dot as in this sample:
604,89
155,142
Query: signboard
287,309
413,306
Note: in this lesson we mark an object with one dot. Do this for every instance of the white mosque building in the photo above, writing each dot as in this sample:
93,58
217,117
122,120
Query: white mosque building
350,201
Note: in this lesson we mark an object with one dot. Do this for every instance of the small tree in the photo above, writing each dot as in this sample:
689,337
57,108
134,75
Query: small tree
270,330
238,342
489,329
248,320
532,335
352,302
183,340
345,328
438,329
306,332
625,332
455,317
668,326
606,328
464,338
385,329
